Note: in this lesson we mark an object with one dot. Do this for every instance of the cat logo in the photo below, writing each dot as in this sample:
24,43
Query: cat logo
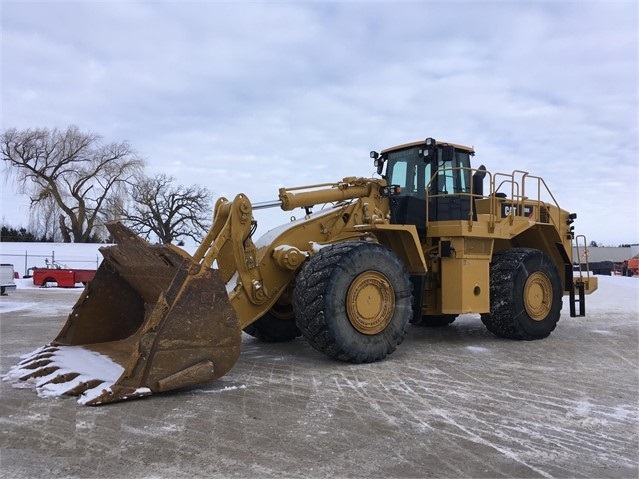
508,209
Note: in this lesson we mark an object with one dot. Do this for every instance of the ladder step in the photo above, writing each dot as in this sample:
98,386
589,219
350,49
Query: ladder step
581,299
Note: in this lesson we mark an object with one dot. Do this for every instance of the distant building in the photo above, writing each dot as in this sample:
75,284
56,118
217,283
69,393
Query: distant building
606,253
606,260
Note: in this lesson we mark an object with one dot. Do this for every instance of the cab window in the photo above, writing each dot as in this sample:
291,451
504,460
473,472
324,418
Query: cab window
408,170
450,177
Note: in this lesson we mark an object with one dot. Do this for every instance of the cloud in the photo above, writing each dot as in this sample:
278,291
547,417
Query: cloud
248,97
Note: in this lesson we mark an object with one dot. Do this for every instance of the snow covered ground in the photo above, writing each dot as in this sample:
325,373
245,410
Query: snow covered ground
616,294
450,402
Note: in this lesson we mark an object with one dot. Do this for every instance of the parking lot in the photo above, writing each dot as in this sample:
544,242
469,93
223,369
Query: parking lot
450,402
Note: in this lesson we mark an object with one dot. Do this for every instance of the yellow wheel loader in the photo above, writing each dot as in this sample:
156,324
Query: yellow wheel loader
429,238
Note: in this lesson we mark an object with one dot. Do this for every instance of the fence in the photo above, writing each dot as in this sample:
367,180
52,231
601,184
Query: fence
42,255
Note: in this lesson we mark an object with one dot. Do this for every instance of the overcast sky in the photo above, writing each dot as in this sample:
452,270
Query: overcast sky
251,96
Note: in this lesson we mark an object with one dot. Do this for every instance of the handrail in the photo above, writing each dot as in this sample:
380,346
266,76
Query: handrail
540,182
517,198
471,194
577,238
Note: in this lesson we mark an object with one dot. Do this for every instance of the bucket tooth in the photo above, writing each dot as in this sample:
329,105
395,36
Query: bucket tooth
43,371
73,387
38,363
97,396
60,378
81,387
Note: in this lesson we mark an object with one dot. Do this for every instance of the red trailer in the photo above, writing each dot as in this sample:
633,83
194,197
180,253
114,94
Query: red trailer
66,278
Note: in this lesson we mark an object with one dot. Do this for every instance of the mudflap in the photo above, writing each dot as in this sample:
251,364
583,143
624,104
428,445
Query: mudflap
151,320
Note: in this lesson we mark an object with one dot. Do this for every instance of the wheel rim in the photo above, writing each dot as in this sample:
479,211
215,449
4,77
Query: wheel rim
370,302
538,296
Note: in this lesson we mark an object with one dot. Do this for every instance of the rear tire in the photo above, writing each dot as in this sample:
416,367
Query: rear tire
525,295
276,326
353,301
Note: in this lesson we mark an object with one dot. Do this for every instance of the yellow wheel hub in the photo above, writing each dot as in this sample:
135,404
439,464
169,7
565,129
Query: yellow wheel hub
370,302
538,296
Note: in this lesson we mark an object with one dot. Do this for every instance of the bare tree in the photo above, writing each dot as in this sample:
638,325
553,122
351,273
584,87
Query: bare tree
169,213
43,220
76,170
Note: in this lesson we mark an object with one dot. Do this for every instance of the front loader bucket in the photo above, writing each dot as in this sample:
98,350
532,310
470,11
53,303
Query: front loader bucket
151,320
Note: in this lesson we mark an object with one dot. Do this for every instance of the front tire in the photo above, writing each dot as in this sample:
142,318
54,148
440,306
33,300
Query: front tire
277,325
525,295
353,301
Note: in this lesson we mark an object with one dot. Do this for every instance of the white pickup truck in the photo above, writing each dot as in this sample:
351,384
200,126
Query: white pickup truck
7,280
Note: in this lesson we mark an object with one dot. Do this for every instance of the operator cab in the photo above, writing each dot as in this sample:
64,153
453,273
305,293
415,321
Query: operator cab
433,170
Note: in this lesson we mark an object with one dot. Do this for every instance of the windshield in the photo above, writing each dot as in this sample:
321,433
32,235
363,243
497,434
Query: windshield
407,169
450,179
